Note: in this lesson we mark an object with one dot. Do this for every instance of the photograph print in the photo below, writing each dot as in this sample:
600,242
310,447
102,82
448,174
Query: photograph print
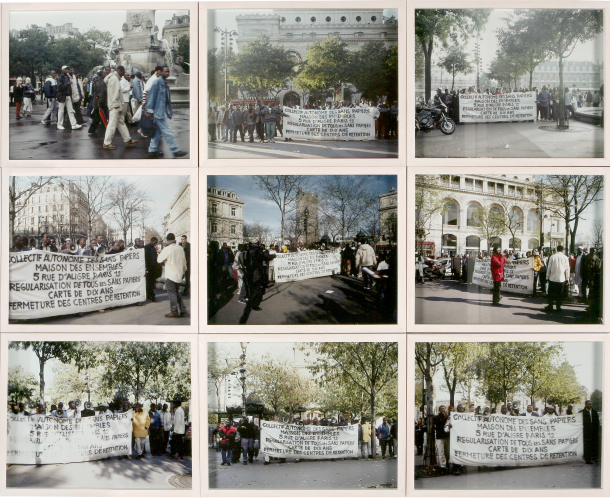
302,83
509,249
99,415
509,83
302,249
322,415
508,415
99,250
91,85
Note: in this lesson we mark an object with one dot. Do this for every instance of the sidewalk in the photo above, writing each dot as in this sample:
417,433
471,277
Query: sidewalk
513,140
31,140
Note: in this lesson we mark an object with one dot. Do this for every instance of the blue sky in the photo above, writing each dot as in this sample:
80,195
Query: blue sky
256,208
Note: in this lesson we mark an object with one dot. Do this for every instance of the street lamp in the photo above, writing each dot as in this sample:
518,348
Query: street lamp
305,222
242,370
226,43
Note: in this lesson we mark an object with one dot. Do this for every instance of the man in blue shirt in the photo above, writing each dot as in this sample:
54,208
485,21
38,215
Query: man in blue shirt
159,108
156,431
544,98
384,436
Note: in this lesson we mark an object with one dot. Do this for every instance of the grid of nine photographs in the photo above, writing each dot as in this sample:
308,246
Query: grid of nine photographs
457,265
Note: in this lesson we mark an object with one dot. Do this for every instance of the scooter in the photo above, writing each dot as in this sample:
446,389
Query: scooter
434,116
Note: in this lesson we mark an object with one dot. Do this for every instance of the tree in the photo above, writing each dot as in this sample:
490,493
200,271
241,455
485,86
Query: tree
261,66
76,51
429,203
256,230
19,195
490,224
596,400
21,385
442,25
571,196
512,218
99,39
564,388
361,366
458,365
597,234
326,67
221,362
455,62
129,205
184,51
560,31
537,373
281,190
216,82
29,52
46,351
372,70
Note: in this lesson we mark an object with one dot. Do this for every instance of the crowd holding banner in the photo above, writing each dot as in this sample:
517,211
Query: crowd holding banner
518,275
46,281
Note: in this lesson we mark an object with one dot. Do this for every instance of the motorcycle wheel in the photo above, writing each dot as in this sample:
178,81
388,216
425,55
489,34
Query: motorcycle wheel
447,126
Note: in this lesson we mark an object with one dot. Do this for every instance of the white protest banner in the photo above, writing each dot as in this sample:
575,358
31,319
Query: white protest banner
345,124
480,108
296,266
41,439
44,284
308,441
499,440
518,275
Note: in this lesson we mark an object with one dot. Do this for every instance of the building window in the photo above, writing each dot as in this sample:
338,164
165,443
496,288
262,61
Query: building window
343,19
449,240
511,190
473,242
532,244
478,185
455,181
214,208
373,18
313,19
328,19
283,19
233,211
214,227
532,222
470,220
174,39
469,183
232,229
297,19
515,244
358,18
450,217
496,211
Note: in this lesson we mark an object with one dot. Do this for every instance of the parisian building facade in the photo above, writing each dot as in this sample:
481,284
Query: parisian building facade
388,218
307,218
174,28
458,232
225,217
178,219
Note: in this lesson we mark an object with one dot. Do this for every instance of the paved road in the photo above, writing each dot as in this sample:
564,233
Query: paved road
453,302
307,474
150,473
304,149
151,313
305,302
31,140
524,140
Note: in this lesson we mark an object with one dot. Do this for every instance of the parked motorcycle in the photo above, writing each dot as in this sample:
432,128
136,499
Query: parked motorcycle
434,116
434,270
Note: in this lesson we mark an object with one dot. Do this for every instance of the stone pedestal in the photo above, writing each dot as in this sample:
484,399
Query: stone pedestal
140,48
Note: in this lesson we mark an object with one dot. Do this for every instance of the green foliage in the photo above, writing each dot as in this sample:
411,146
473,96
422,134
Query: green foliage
563,387
29,53
327,66
221,362
261,66
21,385
184,50
459,365
419,62
596,400
374,71
490,225
429,204
455,62
99,39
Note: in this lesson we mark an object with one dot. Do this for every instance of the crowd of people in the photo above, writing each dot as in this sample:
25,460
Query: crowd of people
174,257
113,98
265,122
235,440
439,431
250,269
163,427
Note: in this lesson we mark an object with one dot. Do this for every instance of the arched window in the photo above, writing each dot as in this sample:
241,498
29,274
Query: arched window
450,216
449,240
470,220
532,243
495,242
515,243
532,221
496,210
473,242
514,218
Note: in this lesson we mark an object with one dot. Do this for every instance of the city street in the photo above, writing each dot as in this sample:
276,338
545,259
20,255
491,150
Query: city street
574,475
454,302
303,149
328,300
513,140
150,313
306,474
31,140
150,473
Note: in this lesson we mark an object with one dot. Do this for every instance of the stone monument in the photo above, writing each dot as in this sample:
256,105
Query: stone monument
139,49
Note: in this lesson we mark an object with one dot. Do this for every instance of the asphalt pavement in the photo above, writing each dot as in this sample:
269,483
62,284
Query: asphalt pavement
31,140
150,313
453,302
513,140
300,148
326,300
306,474
150,473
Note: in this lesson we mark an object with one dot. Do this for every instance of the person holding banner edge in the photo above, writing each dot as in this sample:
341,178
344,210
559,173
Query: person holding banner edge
497,273
590,424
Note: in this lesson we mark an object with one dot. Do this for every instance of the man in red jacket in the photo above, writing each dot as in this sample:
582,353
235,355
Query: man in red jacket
497,273
227,439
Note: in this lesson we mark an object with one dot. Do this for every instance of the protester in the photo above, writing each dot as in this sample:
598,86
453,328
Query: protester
50,92
227,439
186,246
497,274
116,107
365,260
384,435
558,275
154,270
18,91
591,428
173,259
141,424
442,438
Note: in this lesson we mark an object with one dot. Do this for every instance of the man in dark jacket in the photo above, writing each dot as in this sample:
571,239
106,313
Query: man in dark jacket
224,262
255,274
590,427
98,100
153,268
247,432
442,438
238,120
64,98
50,92
186,246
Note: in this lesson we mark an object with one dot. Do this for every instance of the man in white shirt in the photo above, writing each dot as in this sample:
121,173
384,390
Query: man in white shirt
529,412
179,431
557,275
126,89
167,421
174,260
71,412
580,256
